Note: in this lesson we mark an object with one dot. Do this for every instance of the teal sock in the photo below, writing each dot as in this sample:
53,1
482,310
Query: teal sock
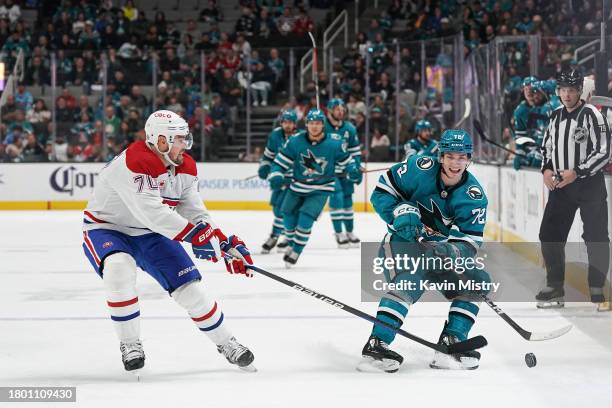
461,318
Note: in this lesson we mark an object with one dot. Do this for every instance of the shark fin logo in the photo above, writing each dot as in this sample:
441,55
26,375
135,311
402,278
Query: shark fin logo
313,165
475,193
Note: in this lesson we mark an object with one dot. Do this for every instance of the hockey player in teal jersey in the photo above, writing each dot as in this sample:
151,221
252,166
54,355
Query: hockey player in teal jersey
423,143
313,156
276,140
440,202
341,201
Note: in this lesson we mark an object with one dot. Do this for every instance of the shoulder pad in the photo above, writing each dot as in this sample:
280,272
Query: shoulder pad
142,160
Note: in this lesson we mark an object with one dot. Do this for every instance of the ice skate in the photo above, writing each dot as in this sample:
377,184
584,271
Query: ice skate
377,357
353,239
550,298
133,357
269,244
237,354
468,360
282,244
342,240
291,257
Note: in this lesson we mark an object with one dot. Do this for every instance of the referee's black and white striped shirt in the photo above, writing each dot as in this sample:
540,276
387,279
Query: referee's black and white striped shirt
578,140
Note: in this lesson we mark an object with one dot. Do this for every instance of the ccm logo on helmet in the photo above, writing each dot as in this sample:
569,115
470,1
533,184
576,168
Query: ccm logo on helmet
162,115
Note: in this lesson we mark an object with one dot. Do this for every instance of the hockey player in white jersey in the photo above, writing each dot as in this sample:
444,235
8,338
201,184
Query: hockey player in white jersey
146,202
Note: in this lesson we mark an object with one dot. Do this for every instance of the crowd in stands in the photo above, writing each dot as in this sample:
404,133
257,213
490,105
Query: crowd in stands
138,49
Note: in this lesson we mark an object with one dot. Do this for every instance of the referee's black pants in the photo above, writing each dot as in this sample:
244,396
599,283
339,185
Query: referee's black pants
589,195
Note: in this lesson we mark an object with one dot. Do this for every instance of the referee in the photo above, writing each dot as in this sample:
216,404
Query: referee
575,150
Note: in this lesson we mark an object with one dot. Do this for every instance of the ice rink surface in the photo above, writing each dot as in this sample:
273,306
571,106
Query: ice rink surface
55,330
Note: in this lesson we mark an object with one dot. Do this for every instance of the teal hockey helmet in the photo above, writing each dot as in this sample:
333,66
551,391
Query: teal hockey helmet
289,115
456,141
528,81
315,115
422,124
335,102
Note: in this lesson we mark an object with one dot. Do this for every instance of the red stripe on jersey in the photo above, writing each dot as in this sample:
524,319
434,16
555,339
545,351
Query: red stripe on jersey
91,248
207,315
181,235
122,304
171,203
90,215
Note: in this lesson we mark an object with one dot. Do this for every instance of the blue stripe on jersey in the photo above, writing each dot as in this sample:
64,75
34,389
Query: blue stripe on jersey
126,318
214,326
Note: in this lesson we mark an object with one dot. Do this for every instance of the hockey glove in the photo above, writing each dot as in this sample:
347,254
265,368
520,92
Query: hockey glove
276,181
204,241
407,223
354,174
239,255
263,171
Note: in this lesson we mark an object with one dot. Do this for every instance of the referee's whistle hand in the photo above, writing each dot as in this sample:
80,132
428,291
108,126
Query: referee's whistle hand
569,176
549,180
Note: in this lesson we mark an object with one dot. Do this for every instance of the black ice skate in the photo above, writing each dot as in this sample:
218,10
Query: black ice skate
269,244
353,239
342,240
597,297
237,354
282,244
291,257
468,360
132,355
550,298
377,357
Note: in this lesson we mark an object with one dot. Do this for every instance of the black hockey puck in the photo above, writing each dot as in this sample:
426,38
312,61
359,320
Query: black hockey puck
530,360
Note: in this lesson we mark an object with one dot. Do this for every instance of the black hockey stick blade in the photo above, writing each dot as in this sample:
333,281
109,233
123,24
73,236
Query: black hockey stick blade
467,345
482,135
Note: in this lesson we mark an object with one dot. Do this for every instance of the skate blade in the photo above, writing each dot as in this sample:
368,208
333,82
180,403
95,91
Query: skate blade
550,304
136,373
265,251
370,365
249,369
281,250
344,246
604,307
355,244
446,362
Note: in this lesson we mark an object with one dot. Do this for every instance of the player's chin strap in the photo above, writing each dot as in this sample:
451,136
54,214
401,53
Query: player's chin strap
165,155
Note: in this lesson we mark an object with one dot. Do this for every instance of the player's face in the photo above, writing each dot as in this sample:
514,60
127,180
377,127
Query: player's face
425,134
338,113
315,129
181,143
569,96
288,126
529,97
453,165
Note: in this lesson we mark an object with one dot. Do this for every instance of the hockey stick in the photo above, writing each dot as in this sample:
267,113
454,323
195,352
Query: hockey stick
466,114
601,100
315,67
461,347
480,132
527,335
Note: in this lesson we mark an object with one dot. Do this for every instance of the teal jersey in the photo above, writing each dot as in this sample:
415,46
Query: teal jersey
276,140
349,135
456,213
415,146
531,121
313,164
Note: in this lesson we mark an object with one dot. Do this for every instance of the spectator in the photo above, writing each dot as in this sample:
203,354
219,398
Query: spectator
111,122
285,24
9,110
380,147
39,117
170,61
246,23
83,150
205,44
211,12
261,83
139,101
14,145
379,120
303,23
83,126
70,100
277,65
33,151
57,150
354,107
23,98
265,27
130,11
230,88
10,10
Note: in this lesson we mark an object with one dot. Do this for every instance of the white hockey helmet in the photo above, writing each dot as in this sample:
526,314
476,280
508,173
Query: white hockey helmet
169,124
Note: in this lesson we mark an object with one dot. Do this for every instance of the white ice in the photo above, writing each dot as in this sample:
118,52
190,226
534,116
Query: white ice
54,330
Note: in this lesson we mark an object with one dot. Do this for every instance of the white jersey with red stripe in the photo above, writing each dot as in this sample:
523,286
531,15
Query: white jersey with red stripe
136,194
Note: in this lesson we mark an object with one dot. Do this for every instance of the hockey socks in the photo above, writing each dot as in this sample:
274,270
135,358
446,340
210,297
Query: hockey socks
461,318
391,311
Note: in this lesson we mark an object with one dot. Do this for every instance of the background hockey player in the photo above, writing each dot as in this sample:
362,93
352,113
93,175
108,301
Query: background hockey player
313,156
422,143
341,201
442,203
276,140
146,203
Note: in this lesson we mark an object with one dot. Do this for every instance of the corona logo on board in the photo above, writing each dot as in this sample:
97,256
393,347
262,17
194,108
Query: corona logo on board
67,179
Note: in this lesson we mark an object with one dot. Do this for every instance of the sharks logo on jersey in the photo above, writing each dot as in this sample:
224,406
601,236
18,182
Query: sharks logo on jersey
425,163
313,166
475,193
435,222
